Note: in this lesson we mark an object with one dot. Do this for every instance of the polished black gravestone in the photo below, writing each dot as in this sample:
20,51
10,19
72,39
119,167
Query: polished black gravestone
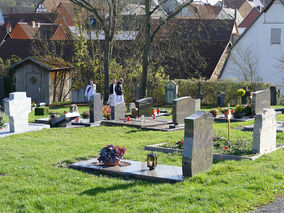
274,95
183,107
221,99
118,111
260,101
96,108
198,144
139,170
145,106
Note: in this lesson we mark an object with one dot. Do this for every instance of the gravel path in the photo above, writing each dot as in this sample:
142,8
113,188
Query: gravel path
276,207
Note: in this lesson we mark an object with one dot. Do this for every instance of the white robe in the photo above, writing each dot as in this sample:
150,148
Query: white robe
112,98
91,92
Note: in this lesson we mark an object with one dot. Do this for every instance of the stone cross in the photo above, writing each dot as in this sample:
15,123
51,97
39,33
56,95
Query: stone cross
264,131
18,107
200,95
198,143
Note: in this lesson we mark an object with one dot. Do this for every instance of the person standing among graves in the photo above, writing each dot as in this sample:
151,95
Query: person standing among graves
112,93
119,92
90,90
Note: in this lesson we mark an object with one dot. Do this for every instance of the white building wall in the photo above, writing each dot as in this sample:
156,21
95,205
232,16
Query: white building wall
1,18
258,40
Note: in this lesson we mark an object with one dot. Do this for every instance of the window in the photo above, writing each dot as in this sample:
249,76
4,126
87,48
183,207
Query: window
275,36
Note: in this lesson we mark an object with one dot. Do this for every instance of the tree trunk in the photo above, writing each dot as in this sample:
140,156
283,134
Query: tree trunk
146,50
106,67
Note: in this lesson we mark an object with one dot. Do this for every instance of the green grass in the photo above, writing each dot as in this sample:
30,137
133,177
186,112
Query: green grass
32,178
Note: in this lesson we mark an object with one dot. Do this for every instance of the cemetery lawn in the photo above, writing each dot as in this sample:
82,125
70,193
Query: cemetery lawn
34,175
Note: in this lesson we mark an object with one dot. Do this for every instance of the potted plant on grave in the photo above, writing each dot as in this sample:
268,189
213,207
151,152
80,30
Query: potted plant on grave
247,110
238,111
111,155
214,113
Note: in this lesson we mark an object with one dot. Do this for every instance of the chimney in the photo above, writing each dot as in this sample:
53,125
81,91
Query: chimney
33,24
223,4
38,25
236,14
8,28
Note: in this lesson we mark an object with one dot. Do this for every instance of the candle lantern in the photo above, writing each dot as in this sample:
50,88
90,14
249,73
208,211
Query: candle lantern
152,161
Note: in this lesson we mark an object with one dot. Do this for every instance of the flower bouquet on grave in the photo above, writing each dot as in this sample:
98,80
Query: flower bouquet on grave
107,112
111,155
226,112
238,111
180,144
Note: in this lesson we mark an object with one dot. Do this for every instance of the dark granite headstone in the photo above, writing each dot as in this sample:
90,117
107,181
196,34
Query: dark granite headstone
274,95
183,107
137,93
200,95
260,100
96,108
171,91
118,111
145,106
198,144
221,99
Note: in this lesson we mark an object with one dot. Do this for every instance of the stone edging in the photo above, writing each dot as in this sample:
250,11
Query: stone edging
220,157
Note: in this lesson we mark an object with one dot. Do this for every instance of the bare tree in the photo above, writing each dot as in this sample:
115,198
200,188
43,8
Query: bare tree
106,13
150,33
245,63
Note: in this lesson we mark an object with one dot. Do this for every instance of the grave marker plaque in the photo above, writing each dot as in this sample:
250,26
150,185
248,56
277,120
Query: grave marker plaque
118,111
260,100
171,91
96,108
145,106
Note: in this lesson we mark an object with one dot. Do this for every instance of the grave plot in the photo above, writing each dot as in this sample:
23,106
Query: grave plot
197,156
264,140
182,107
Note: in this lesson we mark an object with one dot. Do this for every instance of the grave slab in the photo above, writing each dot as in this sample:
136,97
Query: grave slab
138,170
279,127
64,119
223,119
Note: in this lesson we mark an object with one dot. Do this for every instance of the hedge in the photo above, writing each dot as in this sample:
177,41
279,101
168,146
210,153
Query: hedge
41,111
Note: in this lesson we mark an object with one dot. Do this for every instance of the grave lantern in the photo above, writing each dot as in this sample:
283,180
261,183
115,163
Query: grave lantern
152,161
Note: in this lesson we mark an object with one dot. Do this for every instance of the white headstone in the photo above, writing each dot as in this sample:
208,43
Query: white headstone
18,107
264,131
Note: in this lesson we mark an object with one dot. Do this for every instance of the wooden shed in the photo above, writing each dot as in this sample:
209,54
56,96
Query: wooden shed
44,79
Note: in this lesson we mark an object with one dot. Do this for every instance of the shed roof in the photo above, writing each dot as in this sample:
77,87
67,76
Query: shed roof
48,62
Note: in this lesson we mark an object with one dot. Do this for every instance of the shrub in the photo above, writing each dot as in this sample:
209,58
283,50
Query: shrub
2,123
247,110
39,111
241,92
239,108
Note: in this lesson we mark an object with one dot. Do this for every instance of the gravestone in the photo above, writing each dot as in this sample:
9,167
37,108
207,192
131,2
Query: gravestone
96,108
198,143
64,120
221,99
78,96
130,106
260,101
183,107
274,96
118,111
18,107
73,108
137,93
145,107
264,131
171,92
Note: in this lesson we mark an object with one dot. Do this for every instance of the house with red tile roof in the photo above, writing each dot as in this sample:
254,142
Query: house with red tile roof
49,6
254,13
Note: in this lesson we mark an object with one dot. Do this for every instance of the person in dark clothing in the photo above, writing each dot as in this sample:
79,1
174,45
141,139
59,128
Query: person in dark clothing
112,93
119,92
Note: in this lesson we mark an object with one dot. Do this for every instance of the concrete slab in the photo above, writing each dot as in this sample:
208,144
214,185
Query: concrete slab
137,170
